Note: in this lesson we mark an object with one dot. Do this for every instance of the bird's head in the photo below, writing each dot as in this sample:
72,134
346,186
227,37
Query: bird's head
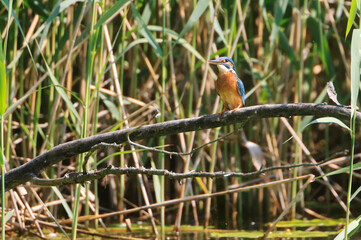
224,64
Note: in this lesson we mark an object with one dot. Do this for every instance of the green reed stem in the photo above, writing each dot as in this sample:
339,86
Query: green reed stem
95,116
2,165
121,79
298,150
353,130
210,181
3,101
355,83
191,70
85,119
162,110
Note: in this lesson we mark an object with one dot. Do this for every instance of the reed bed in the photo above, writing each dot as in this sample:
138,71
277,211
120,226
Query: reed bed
79,68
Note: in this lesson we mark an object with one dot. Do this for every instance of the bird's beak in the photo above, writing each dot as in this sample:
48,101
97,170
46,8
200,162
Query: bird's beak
217,62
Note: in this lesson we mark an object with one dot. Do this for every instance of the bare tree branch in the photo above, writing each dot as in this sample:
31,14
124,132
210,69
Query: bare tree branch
80,177
31,169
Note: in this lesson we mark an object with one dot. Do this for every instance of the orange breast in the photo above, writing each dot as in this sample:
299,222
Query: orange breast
227,89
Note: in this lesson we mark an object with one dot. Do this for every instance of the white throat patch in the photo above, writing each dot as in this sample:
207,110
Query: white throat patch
224,69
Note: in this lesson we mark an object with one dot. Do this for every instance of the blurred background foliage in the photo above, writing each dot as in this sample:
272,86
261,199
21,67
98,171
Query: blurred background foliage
65,78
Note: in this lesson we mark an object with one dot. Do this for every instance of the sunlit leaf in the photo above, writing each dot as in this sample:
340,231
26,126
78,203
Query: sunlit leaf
355,193
324,120
351,17
63,202
355,66
352,228
147,12
9,215
346,169
3,83
329,120
113,109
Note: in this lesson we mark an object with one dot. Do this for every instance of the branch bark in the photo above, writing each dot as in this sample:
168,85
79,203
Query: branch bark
29,170
80,177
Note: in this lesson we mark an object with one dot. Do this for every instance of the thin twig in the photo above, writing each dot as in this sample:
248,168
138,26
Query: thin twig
190,198
79,177
130,142
271,228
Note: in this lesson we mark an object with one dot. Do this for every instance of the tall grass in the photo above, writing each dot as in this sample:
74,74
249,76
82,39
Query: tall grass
355,83
3,104
2,133
70,89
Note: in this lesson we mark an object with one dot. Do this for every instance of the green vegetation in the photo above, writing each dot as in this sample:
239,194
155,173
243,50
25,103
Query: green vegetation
73,69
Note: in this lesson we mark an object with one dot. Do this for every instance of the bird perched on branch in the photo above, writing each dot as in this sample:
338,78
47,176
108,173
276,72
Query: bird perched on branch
229,87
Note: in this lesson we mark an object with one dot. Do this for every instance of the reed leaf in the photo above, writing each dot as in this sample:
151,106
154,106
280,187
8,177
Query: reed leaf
110,13
329,120
353,227
217,25
9,215
144,31
198,11
356,166
3,88
8,6
280,9
355,66
62,93
351,17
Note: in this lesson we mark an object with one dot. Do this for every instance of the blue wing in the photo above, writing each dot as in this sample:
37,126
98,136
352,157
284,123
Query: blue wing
241,90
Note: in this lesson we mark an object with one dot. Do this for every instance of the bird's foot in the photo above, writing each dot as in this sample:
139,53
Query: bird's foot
238,107
224,109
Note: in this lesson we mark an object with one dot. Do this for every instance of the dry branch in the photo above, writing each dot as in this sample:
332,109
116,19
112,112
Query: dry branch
30,170
80,177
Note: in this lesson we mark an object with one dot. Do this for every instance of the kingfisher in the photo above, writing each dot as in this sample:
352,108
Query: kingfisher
229,87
